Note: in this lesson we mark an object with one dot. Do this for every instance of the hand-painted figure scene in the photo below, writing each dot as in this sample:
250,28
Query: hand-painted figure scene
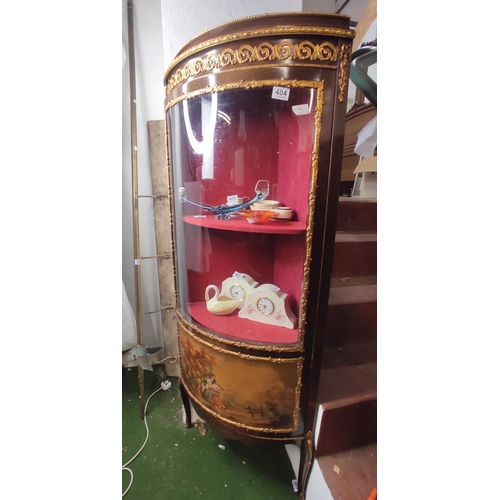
255,393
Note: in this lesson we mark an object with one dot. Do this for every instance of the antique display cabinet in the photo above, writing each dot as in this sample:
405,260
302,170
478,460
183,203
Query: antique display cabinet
255,113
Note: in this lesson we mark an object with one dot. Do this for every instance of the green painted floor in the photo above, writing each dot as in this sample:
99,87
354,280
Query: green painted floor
180,464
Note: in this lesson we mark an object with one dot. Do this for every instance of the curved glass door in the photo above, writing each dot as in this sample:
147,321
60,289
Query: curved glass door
243,189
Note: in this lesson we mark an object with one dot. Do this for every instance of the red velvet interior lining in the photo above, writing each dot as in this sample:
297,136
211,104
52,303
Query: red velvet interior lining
264,140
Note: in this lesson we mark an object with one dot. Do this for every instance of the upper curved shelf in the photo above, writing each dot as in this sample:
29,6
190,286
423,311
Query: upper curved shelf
242,225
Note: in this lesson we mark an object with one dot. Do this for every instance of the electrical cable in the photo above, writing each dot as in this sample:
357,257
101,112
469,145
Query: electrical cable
171,359
164,386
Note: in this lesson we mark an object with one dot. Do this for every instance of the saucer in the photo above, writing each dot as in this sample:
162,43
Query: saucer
282,219
267,204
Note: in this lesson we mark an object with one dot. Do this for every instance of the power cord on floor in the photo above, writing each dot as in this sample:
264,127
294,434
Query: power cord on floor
165,385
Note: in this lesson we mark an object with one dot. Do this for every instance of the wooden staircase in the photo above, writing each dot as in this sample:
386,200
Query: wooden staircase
346,430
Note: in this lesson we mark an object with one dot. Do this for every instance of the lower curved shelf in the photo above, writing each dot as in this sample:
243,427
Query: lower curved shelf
241,329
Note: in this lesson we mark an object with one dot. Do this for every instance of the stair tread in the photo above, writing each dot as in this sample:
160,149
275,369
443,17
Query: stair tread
355,237
346,281
352,295
347,385
349,199
351,474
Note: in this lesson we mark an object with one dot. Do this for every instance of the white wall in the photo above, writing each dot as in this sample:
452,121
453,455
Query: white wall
320,5
184,20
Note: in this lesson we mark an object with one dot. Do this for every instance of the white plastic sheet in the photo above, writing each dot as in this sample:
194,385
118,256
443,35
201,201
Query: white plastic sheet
129,325
367,139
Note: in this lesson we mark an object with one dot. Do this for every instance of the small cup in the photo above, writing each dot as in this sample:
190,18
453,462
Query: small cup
283,212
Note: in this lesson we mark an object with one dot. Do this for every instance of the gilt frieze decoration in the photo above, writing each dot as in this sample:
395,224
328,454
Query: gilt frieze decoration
265,51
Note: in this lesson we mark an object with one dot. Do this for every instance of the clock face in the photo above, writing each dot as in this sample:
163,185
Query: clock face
237,292
265,306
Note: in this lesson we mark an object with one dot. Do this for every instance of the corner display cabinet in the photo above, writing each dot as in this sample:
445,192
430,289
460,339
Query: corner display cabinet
255,113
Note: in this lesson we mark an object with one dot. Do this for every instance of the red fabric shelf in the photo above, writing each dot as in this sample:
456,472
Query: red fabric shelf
242,329
270,227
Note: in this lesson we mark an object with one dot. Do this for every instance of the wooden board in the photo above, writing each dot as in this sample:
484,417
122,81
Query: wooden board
357,117
369,15
159,180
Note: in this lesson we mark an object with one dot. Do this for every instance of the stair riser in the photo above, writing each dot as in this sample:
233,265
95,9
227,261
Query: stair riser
347,427
355,259
351,323
348,355
357,216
